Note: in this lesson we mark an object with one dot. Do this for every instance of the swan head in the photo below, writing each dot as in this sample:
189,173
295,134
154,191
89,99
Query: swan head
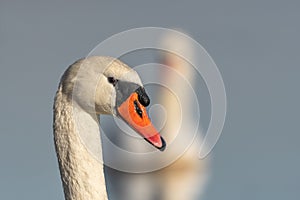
105,85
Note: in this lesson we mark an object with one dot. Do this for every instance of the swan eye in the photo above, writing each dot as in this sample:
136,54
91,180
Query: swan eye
112,80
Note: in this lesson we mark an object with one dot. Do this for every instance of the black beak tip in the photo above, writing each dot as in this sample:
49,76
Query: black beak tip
163,145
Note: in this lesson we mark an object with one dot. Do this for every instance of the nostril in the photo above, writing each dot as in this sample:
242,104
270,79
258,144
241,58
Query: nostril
138,109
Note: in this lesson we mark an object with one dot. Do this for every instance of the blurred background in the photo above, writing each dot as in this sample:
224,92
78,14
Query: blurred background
255,44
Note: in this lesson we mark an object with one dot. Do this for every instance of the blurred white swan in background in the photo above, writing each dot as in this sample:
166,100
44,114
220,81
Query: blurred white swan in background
186,177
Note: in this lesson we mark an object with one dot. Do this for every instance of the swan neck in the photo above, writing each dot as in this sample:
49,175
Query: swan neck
79,155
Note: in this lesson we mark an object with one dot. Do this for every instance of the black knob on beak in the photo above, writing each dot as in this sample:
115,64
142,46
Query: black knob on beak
142,96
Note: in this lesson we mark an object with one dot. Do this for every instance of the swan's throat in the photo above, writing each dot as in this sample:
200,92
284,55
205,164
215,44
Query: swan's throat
79,154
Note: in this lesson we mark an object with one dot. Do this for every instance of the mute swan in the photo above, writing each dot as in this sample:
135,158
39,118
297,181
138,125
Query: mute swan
118,91
187,175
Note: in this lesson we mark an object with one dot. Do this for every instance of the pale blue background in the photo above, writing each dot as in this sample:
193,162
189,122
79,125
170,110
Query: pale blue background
254,43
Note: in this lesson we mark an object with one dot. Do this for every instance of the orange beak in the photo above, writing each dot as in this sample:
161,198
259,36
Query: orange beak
135,115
